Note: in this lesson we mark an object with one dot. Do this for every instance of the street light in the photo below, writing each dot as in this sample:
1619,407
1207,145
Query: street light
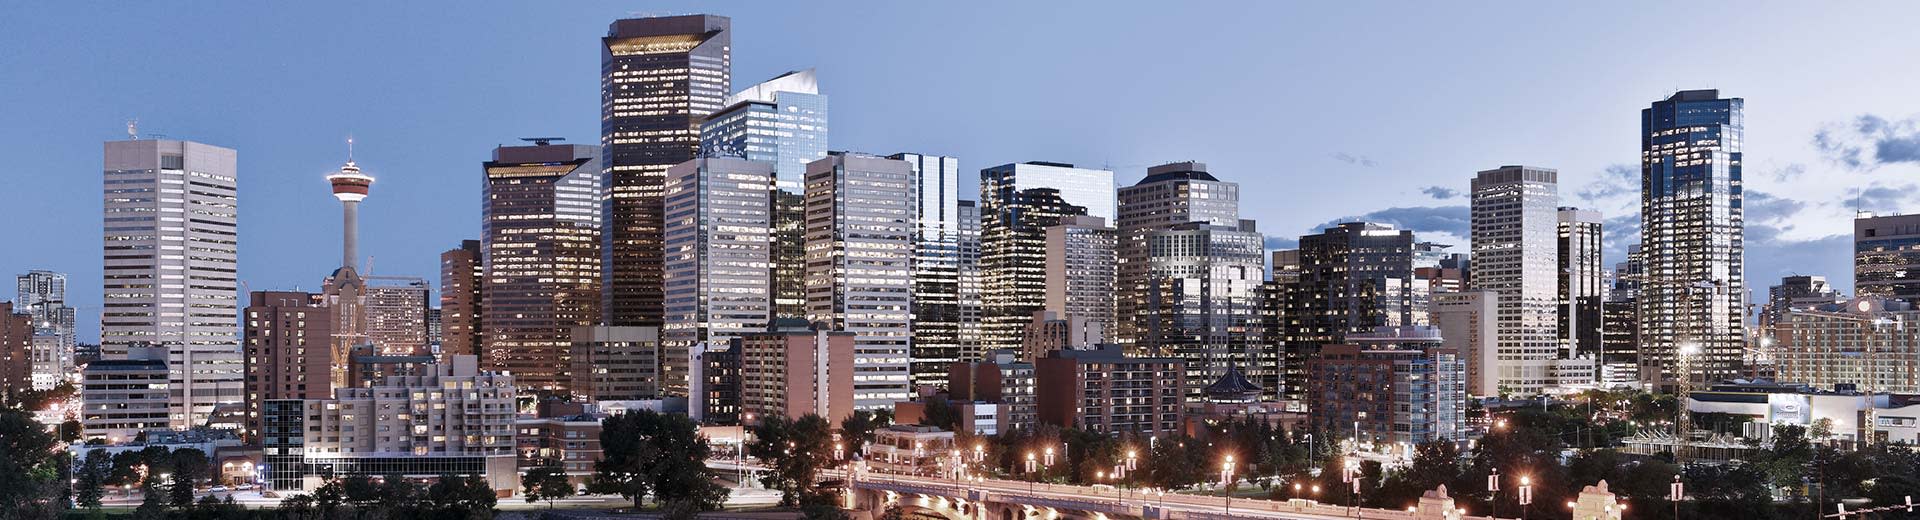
1675,492
1350,473
1493,488
1526,495
1226,480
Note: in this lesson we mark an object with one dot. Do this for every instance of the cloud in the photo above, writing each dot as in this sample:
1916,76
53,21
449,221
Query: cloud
1440,192
1883,198
1452,220
1353,159
1770,257
1789,172
1616,180
1869,141
1765,207
1282,242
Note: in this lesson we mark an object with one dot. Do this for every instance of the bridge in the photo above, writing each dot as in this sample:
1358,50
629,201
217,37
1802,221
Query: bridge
871,494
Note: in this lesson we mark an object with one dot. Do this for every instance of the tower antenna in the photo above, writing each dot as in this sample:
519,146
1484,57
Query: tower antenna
349,147
133,129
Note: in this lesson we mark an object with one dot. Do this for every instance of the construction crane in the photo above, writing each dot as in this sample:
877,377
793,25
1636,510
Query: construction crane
1686,349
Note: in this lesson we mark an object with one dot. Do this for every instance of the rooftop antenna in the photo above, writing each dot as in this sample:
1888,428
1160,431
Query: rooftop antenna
133,129
542,141
349,148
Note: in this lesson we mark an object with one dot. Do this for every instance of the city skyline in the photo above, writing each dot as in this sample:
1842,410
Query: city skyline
1810,160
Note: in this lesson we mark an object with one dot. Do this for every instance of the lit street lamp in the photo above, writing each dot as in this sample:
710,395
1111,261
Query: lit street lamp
1526,495
1226,480
1493,488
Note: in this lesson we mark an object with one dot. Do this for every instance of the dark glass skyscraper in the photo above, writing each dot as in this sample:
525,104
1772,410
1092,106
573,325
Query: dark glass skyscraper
659,77
1693,298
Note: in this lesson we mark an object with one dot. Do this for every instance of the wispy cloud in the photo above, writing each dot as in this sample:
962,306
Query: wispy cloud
1869,141
1616,180
1354,159
1440,192
1765,207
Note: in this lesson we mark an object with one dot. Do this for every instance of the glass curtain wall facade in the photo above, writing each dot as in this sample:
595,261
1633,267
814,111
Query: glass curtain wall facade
1017,203
1692,221
1353,277
936,266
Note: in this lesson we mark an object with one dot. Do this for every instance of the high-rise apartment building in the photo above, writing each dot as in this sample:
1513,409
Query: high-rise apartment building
859,267
1515,254
396,309
1693,297
936,266
42,296
1171,194
540,248
1017,203
460,283
1081,270
171,249
1395,386
659,78
452,419
1582,284
720,258
287,335
1203,301
792,370
1886,256
1352,277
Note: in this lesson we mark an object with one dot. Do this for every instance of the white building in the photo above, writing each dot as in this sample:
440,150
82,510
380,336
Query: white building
859,267
454,419
1515,254
171,245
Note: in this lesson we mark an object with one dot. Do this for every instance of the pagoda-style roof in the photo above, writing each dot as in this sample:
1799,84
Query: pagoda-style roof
1232,386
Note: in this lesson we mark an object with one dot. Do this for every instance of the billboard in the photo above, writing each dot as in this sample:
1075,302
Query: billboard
1789,408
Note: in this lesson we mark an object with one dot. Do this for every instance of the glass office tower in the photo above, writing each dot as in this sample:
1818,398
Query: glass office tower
1694,296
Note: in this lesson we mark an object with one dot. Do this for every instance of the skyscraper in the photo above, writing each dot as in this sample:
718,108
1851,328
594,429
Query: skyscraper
1080,271
719,258
42,296
16,340
659,77
970,282
1170,194
1582,285
540,245
1017,203
1515,252
1190,271
164,198
936,266
460,300
1886,256
1353,277
782,121
860,267
1693,300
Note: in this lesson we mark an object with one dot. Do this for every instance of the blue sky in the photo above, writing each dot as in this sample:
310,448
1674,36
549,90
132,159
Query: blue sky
1322,111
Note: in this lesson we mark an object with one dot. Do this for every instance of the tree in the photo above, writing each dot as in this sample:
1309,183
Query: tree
190,467
823,511
859,427
397,491
360,490
548,483
796,451
92,478
940,414
645,453
680,510
457,496
29,476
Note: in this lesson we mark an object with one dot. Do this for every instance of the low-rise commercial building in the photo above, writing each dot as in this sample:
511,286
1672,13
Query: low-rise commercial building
122,397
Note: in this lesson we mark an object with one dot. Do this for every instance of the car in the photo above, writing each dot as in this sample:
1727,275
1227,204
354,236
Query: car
244,487
217,489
